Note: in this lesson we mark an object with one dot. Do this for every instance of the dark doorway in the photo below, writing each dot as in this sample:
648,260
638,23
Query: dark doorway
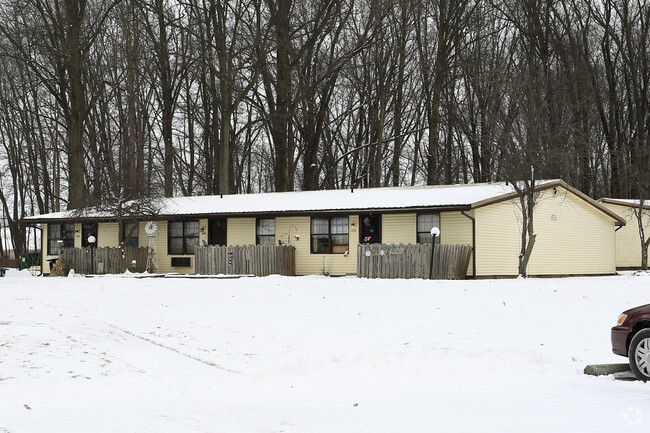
88,230
217,232
370,232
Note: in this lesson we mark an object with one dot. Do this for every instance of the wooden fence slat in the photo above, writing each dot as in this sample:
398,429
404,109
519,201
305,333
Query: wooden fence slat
259,260
113,260
412,261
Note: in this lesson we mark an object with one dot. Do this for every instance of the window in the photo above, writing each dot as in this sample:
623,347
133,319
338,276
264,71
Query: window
370,232
266,231
87,230
329,235
182,237
217,232
59,236
129,237
426,221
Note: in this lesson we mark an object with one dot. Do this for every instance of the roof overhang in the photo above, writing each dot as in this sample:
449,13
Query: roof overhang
326,212
624,202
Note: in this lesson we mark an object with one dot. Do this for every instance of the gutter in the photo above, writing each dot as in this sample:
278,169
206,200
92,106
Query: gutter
248,214
473,242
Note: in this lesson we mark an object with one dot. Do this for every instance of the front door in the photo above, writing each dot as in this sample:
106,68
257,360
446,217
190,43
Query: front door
370,232
217,232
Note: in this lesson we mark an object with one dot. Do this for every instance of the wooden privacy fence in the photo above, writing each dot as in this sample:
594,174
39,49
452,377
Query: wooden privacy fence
258,260
450,262
104,260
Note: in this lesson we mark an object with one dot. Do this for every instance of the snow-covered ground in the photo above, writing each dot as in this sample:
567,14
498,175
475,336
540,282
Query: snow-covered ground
314,354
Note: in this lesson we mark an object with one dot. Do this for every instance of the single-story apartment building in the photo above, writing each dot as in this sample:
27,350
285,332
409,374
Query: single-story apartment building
575,234
628,240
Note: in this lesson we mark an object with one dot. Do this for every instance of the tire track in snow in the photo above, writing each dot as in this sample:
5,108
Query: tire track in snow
172,349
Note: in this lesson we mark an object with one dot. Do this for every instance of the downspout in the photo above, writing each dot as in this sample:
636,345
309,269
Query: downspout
616,252
42,245
473,242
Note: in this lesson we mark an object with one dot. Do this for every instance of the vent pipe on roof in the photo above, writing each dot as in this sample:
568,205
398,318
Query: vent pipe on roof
220,195
352,190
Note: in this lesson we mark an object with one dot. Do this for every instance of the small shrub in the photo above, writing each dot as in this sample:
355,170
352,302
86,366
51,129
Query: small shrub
59,269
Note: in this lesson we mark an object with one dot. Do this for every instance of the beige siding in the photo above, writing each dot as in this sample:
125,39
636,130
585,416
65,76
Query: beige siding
203,235
77,235
628,243
308,263
160,243
108,235
45,266
497,239
573,238
456,229
399,228
164,260
241,231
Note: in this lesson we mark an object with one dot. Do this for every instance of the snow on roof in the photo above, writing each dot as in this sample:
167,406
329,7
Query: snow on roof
622,201
632,203
436,196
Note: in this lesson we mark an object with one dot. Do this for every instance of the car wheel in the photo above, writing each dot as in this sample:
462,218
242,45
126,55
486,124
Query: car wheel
639,354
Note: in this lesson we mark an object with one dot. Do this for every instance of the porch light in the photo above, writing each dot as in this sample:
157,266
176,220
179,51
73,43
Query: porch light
435,231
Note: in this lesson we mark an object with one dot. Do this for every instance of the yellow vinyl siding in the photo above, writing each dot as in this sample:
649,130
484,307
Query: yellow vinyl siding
628,241
456,229
164,260
203,231
573,238
399,228
77,235
497,239
241,231
316,264
45,266
108,234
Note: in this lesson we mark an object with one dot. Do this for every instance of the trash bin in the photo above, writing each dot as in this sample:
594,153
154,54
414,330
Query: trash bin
26,261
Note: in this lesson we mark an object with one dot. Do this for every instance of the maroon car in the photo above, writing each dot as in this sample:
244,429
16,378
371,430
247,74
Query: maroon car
631,338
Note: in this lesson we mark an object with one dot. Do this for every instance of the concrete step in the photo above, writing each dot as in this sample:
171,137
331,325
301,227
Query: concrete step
605,369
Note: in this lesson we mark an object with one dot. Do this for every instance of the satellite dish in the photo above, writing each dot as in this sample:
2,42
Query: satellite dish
151,228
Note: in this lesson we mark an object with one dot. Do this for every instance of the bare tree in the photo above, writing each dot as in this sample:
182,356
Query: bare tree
53,40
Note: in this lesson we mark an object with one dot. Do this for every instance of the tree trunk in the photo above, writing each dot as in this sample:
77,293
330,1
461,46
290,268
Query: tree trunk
76,156
280,117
